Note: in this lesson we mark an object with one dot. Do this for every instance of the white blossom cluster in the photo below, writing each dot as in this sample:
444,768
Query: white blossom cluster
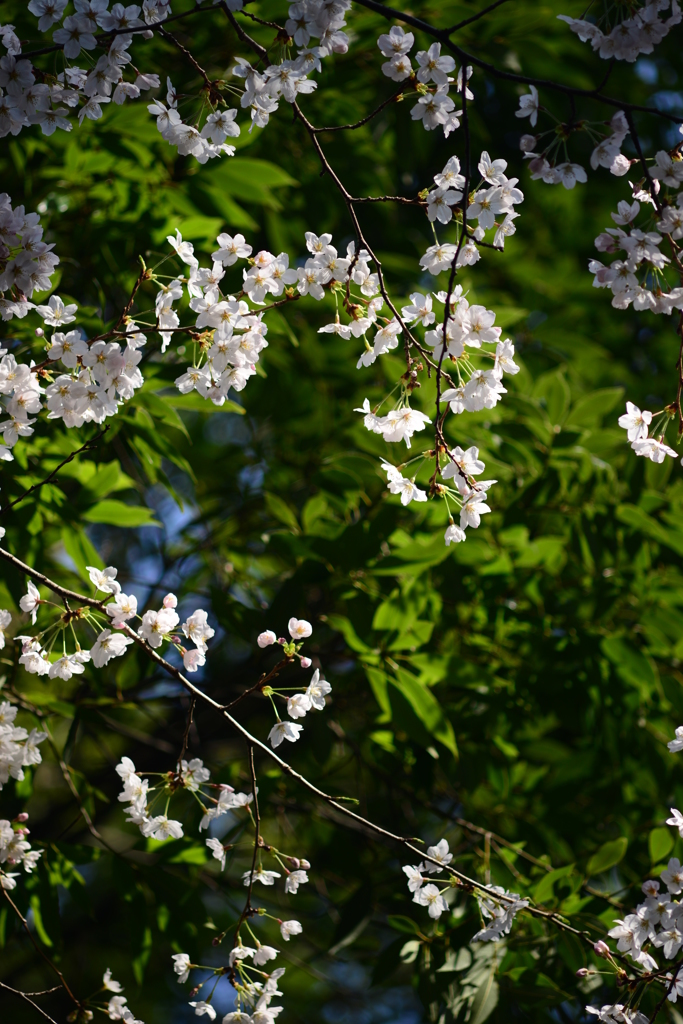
214,800
432,80
637,424
655,924
96,378
26,261
544,166
155,628
638,278
500,911
639,32
30,97
18,748
141,798
116,1008
311,697
15,850
252,995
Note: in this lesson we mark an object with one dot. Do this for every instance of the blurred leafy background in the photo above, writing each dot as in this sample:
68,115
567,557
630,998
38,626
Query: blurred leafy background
524,682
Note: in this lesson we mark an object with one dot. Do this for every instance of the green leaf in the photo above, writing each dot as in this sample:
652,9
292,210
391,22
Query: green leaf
544,890
38,920
590,409
660,843
638,518
81,550
117,513
282,511
427,708
607,856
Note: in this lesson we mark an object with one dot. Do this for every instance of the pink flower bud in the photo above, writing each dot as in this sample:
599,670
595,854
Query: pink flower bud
266,639
39,332
282,641
582,972
305,864
306,662
601,948
294,862
170,601
22,817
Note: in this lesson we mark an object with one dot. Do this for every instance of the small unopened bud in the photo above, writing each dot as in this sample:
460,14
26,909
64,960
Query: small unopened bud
22,817
601,948
582,972
305,864
306,662
282,640
195,990
170,601
294,862
527,143
39,332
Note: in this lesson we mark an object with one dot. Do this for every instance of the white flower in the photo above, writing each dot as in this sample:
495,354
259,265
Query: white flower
528,105
298,705
415,877
294,879
677,744
104,579
30,600
474,507
635,422
441,853
263,954
266,639
161,828
197,628
654,450
202,1008
289,928
193,660
109,984
299,629
109,645
676,820
261,875
317,690
5,621
673,876
218,849
453,534
123,607
430,897
56,313
181,966
156,625
284,731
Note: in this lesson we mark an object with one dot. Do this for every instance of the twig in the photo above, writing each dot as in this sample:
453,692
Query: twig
36,487
26,996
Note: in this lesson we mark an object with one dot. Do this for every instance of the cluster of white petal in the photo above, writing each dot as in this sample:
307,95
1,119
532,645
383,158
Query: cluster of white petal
638,33
116,1008
15,850
18,748
26,261
48,101
433,78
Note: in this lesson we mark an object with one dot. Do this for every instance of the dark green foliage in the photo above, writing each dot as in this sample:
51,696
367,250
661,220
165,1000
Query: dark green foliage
526,681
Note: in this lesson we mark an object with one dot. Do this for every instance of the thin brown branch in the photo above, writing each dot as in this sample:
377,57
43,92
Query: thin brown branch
476,17
26,996
36,487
